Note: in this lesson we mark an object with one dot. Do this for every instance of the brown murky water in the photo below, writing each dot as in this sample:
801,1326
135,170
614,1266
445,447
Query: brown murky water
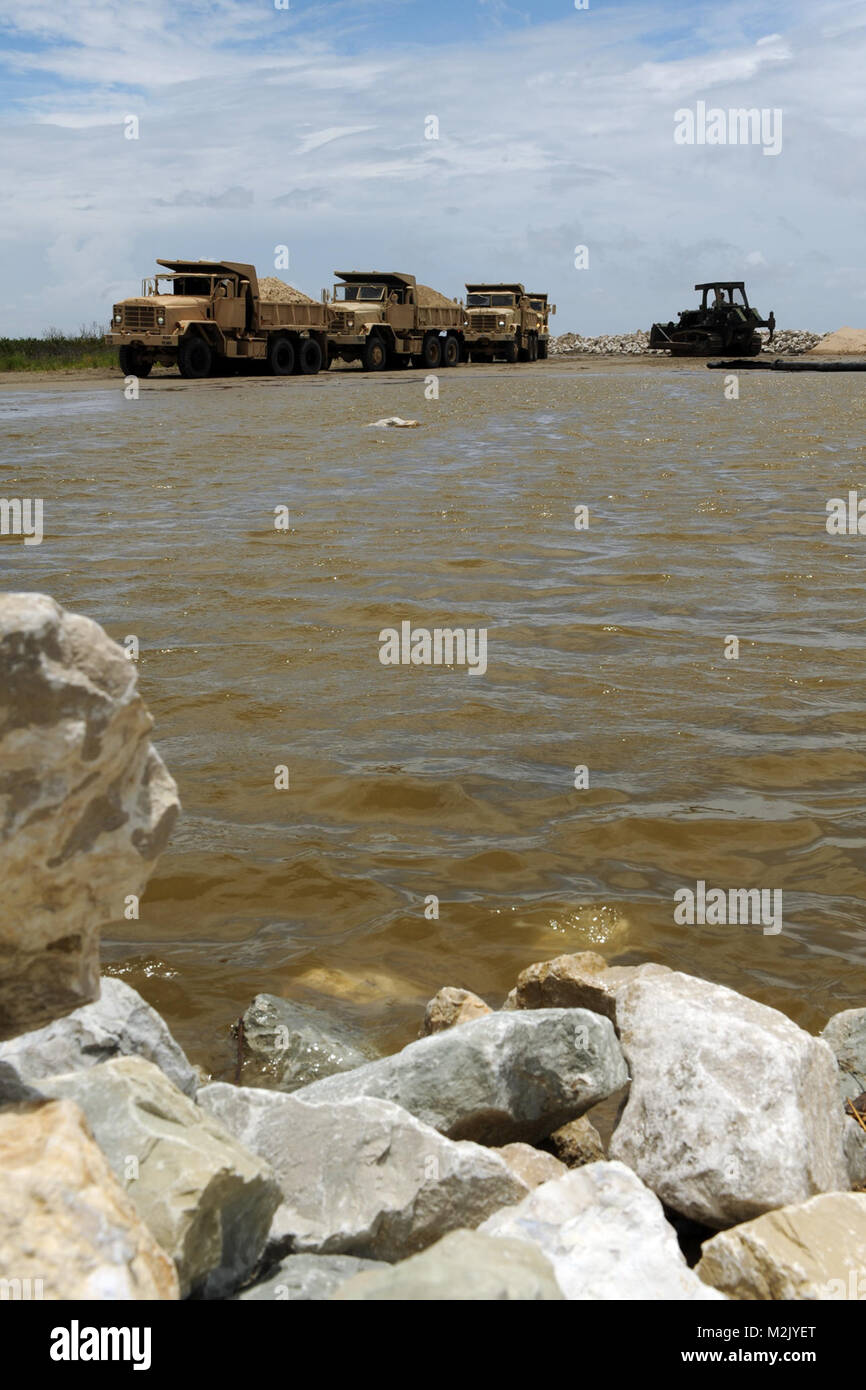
605,648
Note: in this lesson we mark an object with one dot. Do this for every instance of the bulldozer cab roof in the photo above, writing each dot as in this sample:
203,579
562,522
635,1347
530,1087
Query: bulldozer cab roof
395,278
482,286
722,285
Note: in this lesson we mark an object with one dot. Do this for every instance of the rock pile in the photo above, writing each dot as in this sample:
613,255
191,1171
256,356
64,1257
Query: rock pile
621,344
787,342
466,1166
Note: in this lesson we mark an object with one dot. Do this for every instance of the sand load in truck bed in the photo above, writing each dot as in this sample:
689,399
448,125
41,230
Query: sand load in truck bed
272,290
426,298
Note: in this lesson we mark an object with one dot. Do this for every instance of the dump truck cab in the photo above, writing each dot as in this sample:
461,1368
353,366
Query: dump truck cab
724,322
363,299
543,308
378,318
204,298
500,322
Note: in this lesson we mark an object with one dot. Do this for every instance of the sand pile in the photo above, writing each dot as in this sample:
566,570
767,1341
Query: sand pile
275,291
432,299
844,340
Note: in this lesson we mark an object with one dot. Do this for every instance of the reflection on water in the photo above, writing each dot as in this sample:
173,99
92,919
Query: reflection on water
605,649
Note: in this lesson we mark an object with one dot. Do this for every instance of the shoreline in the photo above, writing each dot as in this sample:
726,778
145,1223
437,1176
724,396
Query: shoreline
103,378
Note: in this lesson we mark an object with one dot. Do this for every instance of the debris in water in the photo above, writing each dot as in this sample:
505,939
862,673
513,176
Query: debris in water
396,422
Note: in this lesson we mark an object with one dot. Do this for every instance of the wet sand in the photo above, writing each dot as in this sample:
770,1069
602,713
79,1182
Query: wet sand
161,379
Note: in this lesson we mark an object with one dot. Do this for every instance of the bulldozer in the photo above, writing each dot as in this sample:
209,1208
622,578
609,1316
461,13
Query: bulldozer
725,323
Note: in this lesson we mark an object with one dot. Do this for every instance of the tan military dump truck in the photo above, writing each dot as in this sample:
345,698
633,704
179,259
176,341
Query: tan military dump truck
385,318
210,316
543,309
500,322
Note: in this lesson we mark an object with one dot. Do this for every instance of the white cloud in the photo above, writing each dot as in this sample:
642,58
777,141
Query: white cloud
254,134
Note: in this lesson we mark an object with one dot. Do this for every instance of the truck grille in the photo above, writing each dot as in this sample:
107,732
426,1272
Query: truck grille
139,316
484,323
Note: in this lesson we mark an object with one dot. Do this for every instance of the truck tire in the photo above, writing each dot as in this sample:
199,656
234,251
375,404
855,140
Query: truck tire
375,354
309,357
511,351
431,353
132,363
533,348
450,352
542,350
281,357
194,357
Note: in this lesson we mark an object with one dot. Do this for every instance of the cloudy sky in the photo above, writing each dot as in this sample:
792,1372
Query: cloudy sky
304,126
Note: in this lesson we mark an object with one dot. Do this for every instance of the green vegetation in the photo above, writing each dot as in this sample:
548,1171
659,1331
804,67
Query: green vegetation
57,352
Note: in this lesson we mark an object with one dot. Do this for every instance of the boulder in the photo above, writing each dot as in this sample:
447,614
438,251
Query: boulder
450,1007
504,1078
532,1166
12,1088
288,1045
464,1266
854,1142
66,1225
581,981
118,1024
846,1034
605,1235
86,805
733,1110
362,1177
206,1200
576,1143
307,1278
815,1250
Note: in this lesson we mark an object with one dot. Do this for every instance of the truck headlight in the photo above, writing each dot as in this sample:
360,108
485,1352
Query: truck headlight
160,319
502,323
118,316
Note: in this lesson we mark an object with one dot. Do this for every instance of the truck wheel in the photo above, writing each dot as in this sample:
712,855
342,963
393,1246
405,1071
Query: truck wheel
450,352
281,357
309,357
431,353
194,357
533,348
511,351
375,354
132,363
542,350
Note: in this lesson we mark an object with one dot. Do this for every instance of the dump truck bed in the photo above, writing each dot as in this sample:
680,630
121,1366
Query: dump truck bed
299,316
439,316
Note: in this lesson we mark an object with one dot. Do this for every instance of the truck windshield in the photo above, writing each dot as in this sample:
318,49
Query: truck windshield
489,301
179,284
538,304
194,284
356,292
